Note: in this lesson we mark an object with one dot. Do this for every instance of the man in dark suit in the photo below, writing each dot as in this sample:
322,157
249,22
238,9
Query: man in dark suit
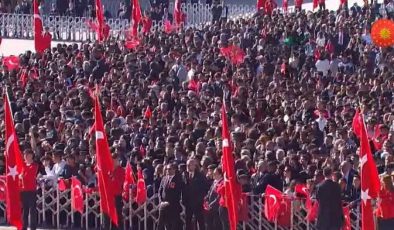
196,188
212,202
341,40
269,178
348,173
170,192
330,215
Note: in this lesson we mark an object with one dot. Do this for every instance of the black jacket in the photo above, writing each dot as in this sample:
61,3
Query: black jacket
330,215
267,179
213,197
195,190
170,190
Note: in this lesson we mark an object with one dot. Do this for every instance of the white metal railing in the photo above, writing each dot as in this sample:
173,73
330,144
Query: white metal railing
54,210
75,29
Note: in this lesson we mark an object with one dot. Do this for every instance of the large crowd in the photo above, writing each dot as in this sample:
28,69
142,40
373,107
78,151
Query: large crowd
290,102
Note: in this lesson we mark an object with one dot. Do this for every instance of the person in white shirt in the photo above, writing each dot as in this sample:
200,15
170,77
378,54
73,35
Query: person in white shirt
57,169
323,65
320,40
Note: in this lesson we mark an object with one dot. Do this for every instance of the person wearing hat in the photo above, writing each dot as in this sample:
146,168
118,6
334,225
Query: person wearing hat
29,190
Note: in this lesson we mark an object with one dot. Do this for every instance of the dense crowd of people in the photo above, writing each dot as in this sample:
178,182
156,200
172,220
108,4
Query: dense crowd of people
290,105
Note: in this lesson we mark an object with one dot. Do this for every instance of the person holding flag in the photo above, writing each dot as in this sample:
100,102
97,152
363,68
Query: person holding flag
118,177
230,192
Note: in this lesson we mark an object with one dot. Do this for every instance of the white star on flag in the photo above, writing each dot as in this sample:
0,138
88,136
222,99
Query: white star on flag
225,143
363,160
99,135
12,172
365,196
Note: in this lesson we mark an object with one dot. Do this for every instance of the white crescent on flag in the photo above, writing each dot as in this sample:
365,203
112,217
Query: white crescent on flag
11,62
10,140
273,197
363,160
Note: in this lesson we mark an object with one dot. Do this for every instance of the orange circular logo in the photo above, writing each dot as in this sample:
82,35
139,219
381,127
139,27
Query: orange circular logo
382,32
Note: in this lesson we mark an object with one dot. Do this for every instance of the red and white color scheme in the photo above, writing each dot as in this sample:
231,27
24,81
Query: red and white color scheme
277,207
104,166
260,4
141,196
14,167
179,16
11,62
129,181
136,17
231,186
370,184
76,195
100,20
42,41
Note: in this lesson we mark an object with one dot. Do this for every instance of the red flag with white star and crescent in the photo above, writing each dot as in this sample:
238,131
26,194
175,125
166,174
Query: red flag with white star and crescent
104,166
370,184
231,186
76,195
14,166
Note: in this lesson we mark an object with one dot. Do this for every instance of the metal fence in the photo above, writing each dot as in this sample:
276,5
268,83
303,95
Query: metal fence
76,29
54,211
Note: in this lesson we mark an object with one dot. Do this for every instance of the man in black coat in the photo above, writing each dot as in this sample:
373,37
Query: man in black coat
212,199
269,178
330,215
170,192
196,188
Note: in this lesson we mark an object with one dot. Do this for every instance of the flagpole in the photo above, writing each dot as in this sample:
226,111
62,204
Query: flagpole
86,211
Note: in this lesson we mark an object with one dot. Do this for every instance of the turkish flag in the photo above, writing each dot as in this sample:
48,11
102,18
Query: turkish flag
315,4
141,196
2,188
347,224
179,16
104,166
302,190
76,195
148,112
129,181
11,62
62,184
260,4
234,53
136,17
285,5
133,43
168,27
231,186
41,42
284,213
24,77
356,124
370,184
244,209
146,25
100,20
13,168
272,203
